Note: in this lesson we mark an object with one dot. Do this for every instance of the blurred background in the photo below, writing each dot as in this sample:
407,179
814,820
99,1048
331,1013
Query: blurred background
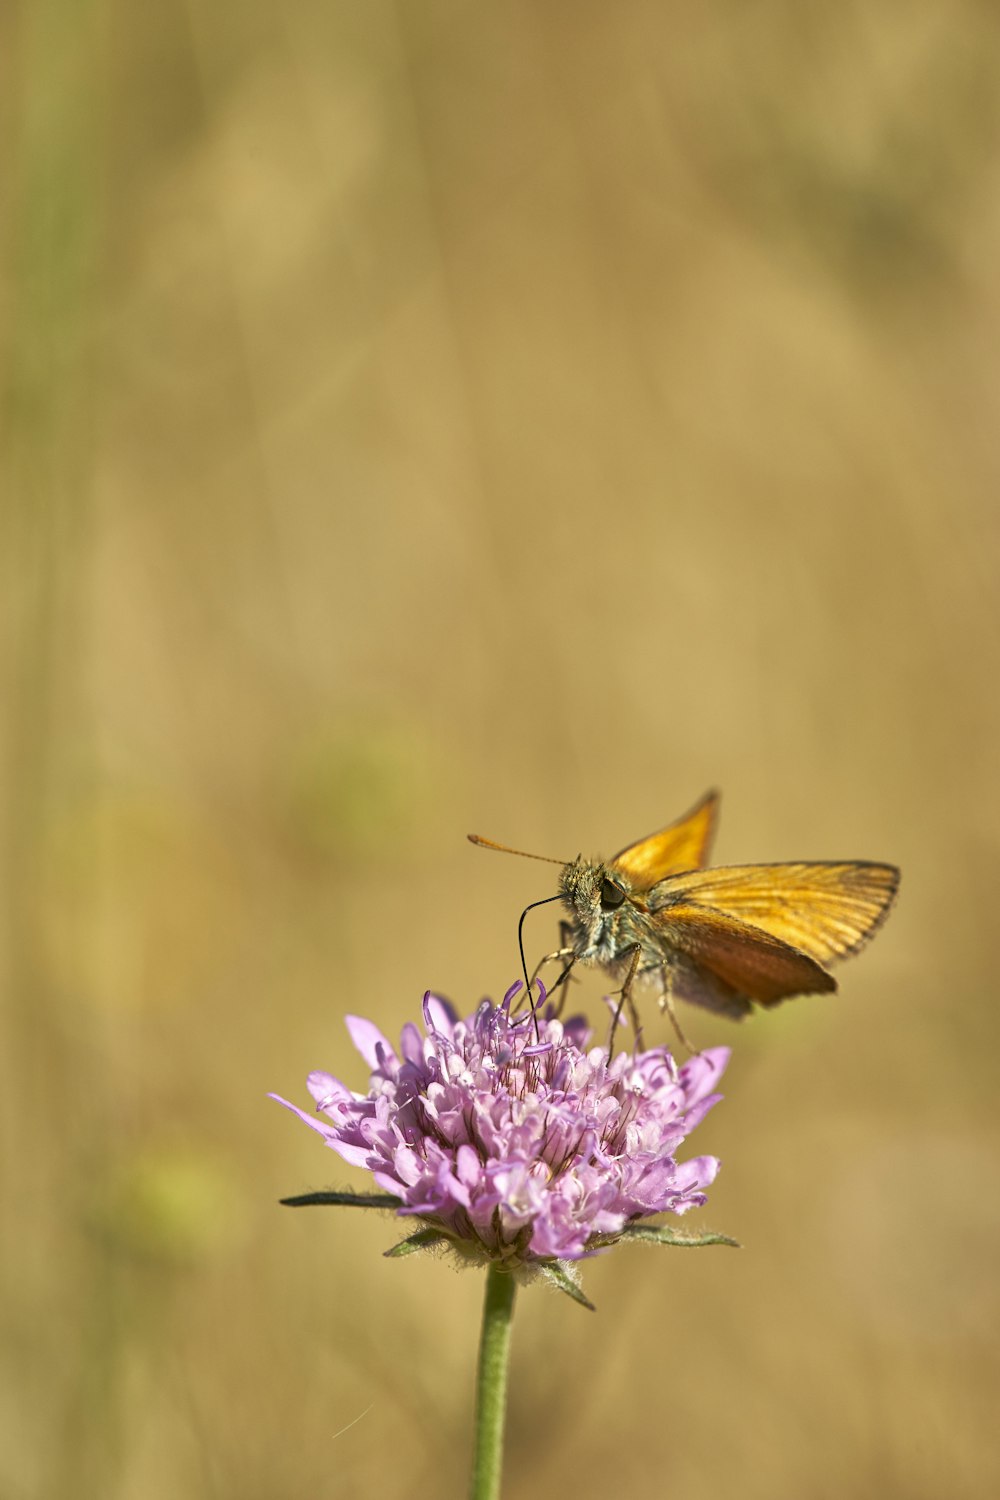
432,418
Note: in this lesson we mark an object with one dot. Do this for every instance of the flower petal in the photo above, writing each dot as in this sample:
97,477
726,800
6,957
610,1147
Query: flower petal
516,1138
367,1038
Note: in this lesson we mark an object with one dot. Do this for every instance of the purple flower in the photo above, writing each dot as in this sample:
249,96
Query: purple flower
519,1146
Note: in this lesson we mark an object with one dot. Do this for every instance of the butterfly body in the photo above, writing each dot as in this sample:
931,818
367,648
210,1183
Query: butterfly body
725,938
681,946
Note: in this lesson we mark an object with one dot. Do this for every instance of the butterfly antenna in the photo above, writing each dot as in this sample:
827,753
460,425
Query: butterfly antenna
520,944
475,838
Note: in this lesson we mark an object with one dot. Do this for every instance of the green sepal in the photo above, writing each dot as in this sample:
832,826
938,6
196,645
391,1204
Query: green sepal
661,1234
423,1239
343,1200
556,1272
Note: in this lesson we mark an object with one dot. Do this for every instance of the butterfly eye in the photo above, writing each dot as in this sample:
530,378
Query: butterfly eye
611,895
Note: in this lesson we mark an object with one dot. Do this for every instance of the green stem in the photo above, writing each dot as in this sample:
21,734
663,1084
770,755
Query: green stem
491,1384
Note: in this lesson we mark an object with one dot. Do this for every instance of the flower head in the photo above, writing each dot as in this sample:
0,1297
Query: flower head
506,1136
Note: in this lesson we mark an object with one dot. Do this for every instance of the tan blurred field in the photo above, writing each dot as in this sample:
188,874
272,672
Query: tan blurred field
432,418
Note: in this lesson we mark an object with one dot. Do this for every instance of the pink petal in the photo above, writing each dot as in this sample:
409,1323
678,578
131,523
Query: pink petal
367,1038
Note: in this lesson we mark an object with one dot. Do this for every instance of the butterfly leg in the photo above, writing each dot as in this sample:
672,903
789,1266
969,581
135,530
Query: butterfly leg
560,955
566,955
626,999
527,996
561,983
667,1006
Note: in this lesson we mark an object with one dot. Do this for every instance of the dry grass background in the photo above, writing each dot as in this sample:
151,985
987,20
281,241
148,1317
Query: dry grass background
434,417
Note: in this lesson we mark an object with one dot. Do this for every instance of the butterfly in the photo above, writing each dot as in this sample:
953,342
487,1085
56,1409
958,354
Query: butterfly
727,937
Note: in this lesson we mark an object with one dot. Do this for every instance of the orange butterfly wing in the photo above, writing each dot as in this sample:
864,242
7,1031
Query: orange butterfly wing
825,910
751,963
685,845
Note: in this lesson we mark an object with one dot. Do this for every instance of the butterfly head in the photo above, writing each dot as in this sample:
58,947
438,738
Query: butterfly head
597,897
